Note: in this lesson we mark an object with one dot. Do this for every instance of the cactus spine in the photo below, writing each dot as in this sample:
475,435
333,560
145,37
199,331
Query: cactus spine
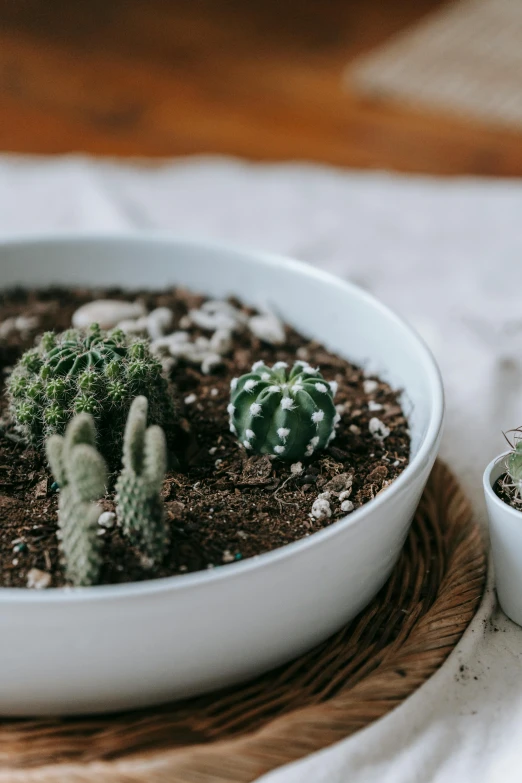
139,508
82,475
286,414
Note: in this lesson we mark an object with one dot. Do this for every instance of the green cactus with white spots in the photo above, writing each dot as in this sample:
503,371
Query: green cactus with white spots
95,372
82,476
139,505
287,414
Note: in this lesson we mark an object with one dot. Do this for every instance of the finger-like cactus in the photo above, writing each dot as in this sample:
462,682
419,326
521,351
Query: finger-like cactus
139,506
95,372
286,414
81,474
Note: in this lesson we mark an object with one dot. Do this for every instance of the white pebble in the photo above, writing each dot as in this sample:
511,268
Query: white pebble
217,314
210,362
214,392
107,519
296,468
370,386
24,323
107,312
159,322
321,509
172,343
190,398
131,326
212,450
221,341
7,327
228,557
268,328
37,579
345,494
374,406
324,495
378,429
355,429
202,343
167,364
347,506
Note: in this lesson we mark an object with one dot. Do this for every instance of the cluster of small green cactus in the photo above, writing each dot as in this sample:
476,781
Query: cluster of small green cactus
287,414
95,372
139,505
82,476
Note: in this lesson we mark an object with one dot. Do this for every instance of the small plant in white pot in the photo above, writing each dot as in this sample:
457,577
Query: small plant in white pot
503,491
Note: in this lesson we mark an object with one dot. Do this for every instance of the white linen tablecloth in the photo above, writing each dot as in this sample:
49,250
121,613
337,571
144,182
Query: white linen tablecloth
447,255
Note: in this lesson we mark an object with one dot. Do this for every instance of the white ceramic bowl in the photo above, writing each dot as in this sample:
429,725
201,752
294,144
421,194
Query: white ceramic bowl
113,647
505,531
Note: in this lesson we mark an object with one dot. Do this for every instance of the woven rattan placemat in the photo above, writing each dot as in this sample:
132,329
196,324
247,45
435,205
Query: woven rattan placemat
465,58
358,675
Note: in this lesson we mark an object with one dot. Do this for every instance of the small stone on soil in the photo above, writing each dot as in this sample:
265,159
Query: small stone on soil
37,579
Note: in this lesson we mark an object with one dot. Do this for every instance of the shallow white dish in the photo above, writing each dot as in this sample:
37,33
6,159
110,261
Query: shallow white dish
114,647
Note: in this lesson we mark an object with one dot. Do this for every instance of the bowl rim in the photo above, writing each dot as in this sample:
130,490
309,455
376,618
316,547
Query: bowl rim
356,518
491,495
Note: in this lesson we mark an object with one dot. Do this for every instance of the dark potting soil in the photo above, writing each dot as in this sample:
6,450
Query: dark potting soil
223,506
506,491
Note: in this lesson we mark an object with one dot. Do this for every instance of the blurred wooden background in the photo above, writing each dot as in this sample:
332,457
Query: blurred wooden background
257,78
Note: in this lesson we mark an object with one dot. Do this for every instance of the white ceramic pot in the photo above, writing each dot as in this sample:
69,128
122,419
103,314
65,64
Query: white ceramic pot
505,531
114,647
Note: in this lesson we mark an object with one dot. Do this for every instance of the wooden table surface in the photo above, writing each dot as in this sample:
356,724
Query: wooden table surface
257,78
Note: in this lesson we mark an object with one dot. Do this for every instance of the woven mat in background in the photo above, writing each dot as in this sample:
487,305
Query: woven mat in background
465,58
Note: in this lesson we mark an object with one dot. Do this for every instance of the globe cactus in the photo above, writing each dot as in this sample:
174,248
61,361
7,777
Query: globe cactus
95,372
286,414
82,475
